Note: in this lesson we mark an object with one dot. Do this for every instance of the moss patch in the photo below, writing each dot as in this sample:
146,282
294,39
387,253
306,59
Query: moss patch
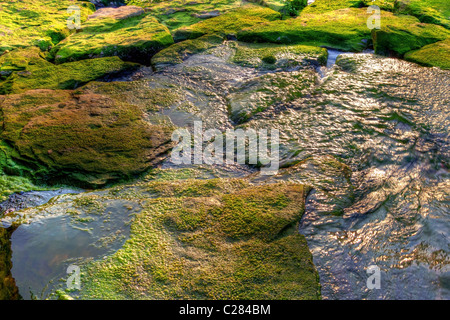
266,55
180,51
228,23
342,29
132,39
25,69
37,22
320,6
225,240
81,136
432,55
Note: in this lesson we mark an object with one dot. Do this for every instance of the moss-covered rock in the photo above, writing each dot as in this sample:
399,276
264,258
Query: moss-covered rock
176,14
180,51
81,136
427,11
25,69
272,56
37,22
400,34
432,55
344,29
320,6
132,39
229,23
347,29
215,239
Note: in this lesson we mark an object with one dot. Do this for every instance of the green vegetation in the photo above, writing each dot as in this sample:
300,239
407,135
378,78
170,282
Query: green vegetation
257,55
180,51
25,69
432,55
41,23
214,239
346,29
293,7
132,39
400,34
99,138
321,6
229,23
341,29
178,13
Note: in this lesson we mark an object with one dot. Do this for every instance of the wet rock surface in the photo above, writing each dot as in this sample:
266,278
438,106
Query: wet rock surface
364,152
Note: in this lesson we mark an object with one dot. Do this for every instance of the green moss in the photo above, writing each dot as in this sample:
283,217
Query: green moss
346,29
99,138
176,14
180,51
257,54
432,55
427,11
341,29
400,34
25,69
132,39
321,6
36,22
211,246
228,23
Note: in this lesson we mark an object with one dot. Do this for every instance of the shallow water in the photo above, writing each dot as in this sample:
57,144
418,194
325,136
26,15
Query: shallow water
384,119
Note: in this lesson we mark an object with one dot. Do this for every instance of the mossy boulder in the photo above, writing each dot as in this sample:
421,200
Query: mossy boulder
229,23
177,14
180,51
432,55
320,6
82,137
37,22
135,39
208,239
25,69
400,34
272,56
344,29
427,11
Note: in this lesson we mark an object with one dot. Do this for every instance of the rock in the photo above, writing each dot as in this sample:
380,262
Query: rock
207,15
198,239
400,34
25,69
228,23
136,39
37,22
432,55
101,136
119,13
